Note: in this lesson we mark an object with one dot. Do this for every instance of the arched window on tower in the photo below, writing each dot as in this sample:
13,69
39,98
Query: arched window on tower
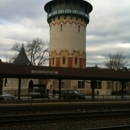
53,60
75,60
84,62
79,28
63,60
61,27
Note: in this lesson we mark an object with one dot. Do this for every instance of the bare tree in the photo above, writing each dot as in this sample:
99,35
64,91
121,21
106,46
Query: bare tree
9,59
16,47
117,60
37,51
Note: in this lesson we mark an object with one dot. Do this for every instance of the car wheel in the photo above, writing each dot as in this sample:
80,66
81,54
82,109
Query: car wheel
1,99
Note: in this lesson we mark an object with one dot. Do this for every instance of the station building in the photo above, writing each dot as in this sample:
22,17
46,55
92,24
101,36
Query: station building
11,84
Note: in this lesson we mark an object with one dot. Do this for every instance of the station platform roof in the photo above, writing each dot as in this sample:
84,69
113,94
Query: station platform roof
44,72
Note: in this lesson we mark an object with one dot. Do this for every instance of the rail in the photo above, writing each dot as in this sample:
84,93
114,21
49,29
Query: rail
122,127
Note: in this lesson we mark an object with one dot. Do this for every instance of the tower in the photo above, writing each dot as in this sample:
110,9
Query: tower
68,20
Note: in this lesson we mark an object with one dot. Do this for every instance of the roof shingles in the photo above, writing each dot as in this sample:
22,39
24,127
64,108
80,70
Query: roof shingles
22,58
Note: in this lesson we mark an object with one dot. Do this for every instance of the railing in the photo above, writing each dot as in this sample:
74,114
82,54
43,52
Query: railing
68,11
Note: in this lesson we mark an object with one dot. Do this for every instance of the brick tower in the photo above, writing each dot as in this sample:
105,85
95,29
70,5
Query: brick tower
68,20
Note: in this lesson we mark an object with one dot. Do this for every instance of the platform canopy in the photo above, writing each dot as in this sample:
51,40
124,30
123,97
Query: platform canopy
28,71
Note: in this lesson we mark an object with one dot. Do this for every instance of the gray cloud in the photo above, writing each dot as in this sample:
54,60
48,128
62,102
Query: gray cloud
14,10
108,30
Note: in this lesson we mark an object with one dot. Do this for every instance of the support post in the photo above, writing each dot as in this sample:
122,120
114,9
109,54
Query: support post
19,88
93,87
59,87
1,86
122,91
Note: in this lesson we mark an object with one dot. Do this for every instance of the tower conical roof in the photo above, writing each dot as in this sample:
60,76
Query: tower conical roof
22,58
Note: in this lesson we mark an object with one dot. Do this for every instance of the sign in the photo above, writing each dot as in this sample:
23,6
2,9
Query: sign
43,72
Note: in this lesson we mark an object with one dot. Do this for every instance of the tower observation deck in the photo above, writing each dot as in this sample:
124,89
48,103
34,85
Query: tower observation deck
77,8
68,20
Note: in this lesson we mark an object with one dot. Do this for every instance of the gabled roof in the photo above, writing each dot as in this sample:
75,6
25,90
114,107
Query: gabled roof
22,58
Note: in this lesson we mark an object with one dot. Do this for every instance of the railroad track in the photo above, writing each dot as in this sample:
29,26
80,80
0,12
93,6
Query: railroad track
64,117
13,119
42,109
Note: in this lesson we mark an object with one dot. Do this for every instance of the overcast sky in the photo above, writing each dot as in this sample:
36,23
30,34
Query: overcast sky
108,31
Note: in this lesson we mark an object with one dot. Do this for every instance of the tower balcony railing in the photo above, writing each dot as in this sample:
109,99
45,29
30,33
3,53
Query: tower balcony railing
67,11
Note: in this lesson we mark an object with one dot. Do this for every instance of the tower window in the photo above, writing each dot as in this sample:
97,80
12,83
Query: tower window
79,28
53,61
84,62
75,60
61,26
63,60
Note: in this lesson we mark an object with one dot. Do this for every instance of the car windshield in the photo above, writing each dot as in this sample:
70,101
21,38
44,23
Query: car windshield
4,92
76,92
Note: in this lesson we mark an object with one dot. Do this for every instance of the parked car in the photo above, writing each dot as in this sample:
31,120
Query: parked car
7,97
72,93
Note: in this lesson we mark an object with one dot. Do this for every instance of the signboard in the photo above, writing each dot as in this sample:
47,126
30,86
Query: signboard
43,72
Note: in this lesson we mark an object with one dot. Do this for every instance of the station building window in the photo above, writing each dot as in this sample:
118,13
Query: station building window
109,84
81,84
62,84
99,85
